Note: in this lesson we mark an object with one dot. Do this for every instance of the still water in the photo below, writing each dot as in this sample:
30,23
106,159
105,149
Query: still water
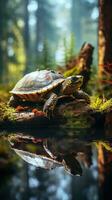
50,165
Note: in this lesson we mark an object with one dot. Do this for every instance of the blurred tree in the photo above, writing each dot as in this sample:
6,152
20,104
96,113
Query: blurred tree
16,55
45,28
47,58
80,17
11,46
3,37
105,47
105,37
76,17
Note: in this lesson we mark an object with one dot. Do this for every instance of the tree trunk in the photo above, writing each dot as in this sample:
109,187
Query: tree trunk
105,38
27,36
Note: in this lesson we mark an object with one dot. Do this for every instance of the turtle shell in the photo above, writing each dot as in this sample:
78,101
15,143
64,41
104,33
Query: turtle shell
36,156
36,83
40,161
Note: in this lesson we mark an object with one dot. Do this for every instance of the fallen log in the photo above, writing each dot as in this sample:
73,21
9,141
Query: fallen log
71,114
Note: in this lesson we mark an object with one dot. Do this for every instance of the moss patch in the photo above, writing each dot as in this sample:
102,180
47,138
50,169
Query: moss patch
99,104
74,71
6,112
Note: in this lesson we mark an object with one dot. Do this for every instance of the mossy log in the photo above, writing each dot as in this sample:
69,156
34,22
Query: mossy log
72,114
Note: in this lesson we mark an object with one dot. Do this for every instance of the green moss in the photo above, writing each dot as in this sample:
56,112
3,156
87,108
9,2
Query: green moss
99,104
6,112
73,71
106,105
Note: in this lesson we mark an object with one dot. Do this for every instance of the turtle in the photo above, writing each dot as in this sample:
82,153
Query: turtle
41,156
47,86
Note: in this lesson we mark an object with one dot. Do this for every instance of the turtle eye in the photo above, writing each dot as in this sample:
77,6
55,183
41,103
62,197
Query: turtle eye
52,71
74,78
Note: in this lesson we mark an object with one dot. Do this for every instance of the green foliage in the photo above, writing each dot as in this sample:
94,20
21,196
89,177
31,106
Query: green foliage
99,104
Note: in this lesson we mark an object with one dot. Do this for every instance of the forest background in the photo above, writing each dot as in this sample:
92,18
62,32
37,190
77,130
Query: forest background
38,34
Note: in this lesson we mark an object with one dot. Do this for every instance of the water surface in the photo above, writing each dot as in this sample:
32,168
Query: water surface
54,165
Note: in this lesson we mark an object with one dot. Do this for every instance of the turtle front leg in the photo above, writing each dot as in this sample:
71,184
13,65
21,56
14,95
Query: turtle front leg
14,101
50,104
82,95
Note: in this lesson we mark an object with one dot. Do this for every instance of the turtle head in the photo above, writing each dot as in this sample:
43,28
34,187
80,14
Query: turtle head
72,84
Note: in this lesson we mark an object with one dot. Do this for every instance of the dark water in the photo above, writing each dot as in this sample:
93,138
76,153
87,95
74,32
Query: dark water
54,165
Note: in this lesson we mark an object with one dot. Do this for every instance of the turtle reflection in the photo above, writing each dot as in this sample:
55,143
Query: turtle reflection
49,153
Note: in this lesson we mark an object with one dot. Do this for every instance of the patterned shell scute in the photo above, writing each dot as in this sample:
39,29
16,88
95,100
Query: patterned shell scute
38,81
